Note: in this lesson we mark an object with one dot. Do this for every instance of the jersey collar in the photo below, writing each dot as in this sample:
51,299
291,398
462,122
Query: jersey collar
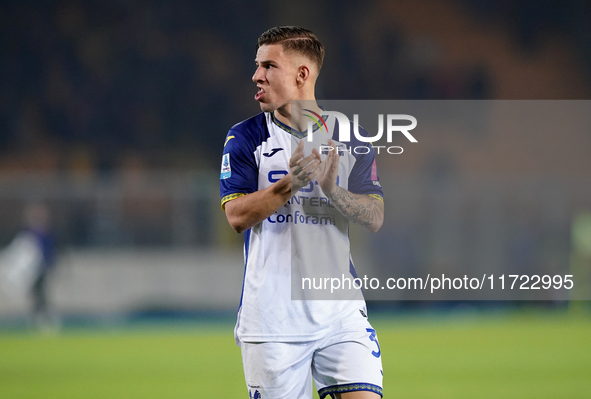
295,132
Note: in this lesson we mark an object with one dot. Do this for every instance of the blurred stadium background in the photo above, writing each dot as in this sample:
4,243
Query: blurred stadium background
113,114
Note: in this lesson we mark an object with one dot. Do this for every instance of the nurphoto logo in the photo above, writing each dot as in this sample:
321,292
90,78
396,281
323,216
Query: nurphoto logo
345,130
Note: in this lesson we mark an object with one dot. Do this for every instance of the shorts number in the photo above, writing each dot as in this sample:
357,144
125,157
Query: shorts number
374,338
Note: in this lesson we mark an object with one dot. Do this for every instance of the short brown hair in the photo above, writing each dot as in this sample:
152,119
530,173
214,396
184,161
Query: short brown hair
294,38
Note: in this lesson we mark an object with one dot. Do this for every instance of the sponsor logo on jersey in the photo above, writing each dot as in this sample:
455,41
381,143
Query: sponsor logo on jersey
226,171
273,152
302,218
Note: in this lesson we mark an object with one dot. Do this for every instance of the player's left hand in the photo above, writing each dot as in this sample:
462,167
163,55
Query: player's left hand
329,170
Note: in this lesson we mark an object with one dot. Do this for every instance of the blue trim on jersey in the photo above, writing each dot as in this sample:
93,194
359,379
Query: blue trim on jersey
358,386
246,247
241,143
352,269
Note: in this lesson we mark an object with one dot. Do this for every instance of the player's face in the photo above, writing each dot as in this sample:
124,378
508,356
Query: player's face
275,77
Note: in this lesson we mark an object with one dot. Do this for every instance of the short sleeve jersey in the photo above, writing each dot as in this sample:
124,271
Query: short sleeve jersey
256,154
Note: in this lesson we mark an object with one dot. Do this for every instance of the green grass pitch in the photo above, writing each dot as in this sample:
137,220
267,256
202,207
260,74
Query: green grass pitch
495,356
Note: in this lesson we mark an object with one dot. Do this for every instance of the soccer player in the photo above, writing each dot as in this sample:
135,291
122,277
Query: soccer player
286,343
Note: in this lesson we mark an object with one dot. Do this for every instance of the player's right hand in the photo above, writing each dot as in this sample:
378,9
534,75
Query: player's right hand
303,170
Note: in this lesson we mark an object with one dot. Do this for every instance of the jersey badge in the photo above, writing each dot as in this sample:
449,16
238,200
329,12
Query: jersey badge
226,171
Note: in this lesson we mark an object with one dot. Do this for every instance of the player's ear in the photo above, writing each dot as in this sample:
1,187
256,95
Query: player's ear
303,75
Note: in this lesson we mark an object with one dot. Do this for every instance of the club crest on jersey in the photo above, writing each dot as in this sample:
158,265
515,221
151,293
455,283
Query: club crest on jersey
226,169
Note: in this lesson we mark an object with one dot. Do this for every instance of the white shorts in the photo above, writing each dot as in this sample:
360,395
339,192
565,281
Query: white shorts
345,361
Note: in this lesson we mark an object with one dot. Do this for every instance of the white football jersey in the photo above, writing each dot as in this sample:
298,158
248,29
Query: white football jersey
307,237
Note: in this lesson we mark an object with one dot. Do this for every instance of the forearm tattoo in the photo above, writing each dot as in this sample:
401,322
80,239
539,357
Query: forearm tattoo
360,209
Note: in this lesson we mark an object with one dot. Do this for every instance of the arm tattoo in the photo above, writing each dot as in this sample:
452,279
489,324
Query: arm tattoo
358,208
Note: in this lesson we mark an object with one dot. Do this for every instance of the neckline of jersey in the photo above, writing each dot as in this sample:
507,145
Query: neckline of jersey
292,131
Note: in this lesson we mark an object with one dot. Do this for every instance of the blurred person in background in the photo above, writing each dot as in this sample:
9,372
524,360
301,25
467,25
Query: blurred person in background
28,261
